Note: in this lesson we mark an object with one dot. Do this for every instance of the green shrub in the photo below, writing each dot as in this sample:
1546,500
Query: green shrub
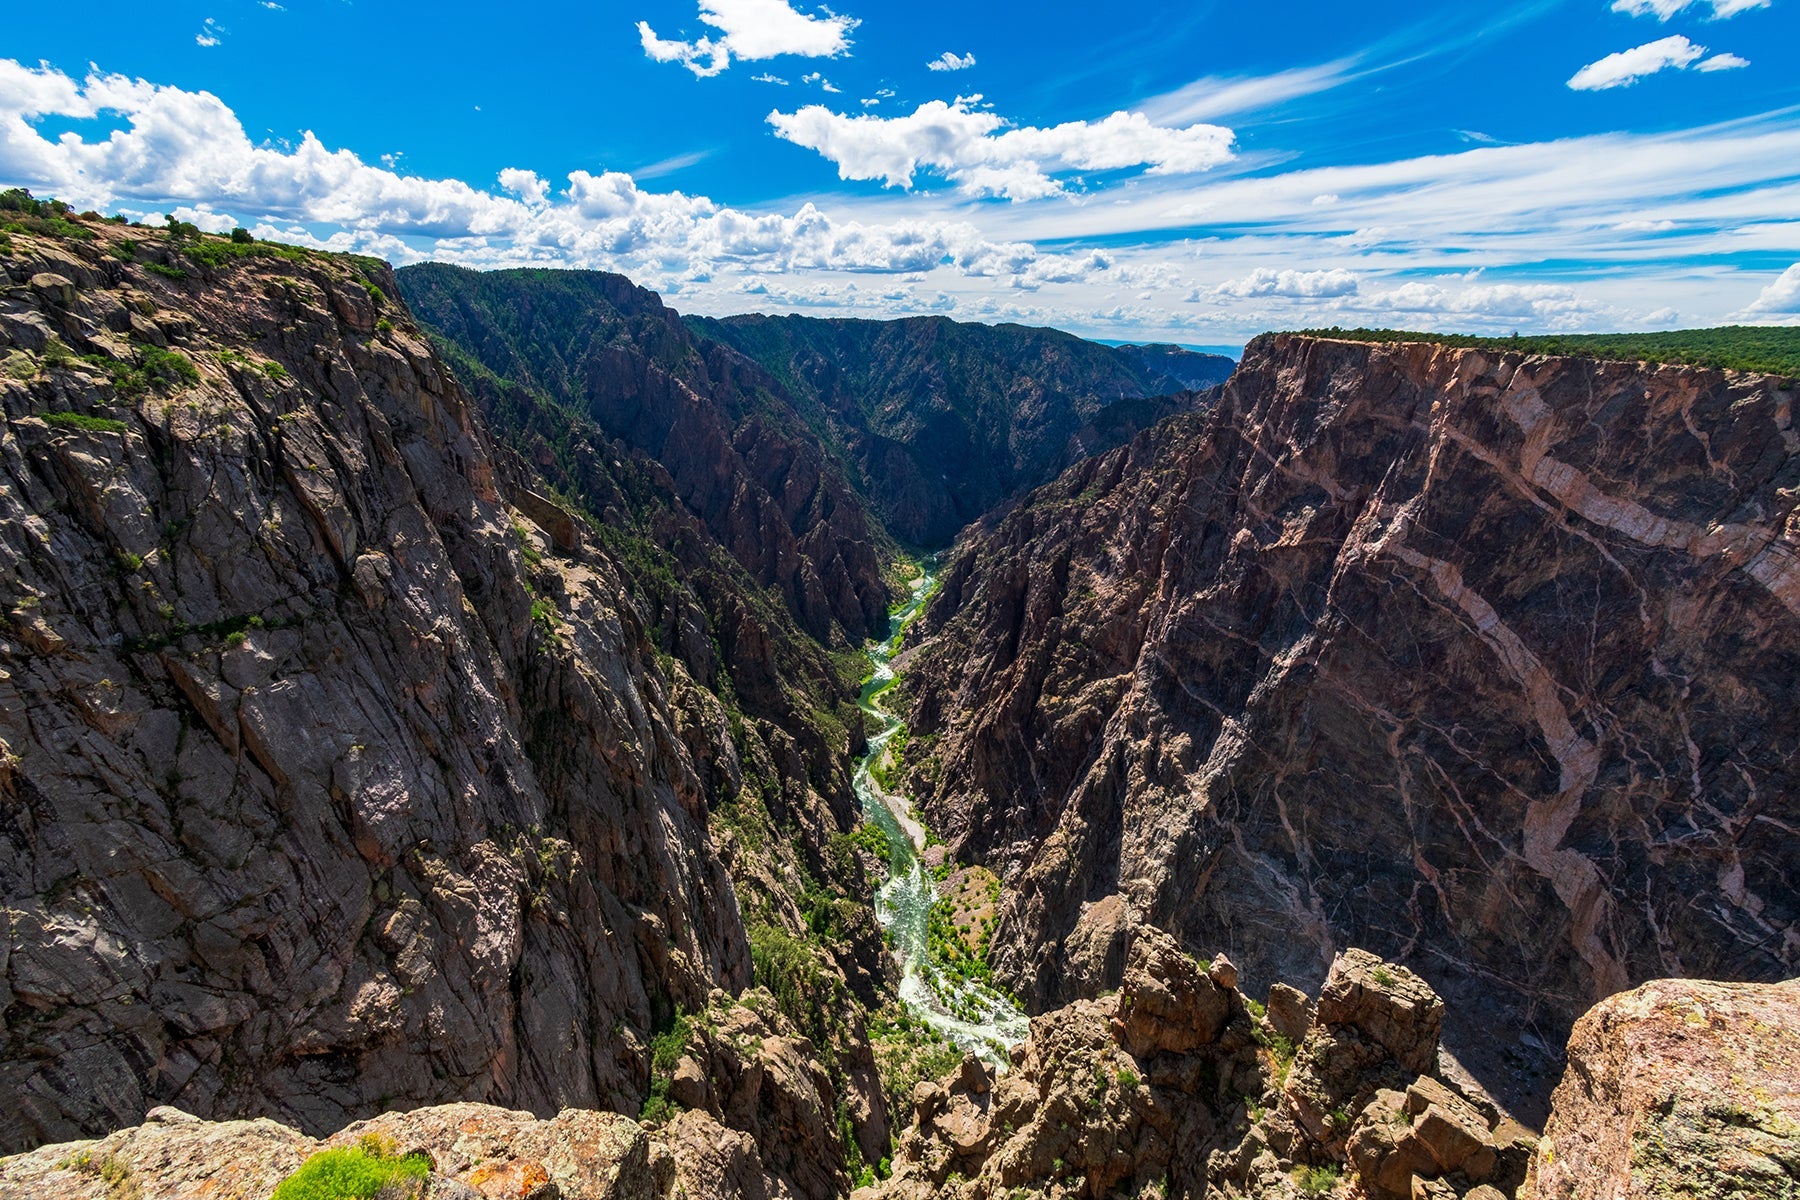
168,368
68,420
384,326
1316,1181
377,297
353,1174
666,1049
125,248
165,270
275,370
241,236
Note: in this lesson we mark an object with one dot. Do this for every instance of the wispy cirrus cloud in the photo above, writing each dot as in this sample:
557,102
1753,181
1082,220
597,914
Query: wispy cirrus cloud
1628,66
985,156
1665,10
751,30
1216,96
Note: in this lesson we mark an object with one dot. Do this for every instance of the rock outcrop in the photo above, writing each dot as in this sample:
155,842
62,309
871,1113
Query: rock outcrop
1681,1087
943,420
1178,1086
1481,660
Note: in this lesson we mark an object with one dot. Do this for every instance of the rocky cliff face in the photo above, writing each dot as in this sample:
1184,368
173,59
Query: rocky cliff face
736,453
944,420
337,772
1480,660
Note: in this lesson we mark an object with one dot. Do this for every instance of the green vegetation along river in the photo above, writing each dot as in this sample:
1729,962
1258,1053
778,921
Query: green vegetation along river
965,1011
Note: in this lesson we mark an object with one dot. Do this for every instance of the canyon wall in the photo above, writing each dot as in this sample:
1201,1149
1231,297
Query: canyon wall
339,770
944,420
1485,662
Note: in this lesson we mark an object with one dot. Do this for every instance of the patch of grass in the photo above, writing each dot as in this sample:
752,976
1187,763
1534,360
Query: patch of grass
1382,976
358,1173
85,422
1771,348
211,631
165,270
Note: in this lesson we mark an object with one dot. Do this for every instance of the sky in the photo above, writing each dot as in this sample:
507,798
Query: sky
1194,173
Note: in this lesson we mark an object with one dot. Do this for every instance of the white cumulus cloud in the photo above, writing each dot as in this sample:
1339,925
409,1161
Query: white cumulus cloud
1266,281
751,30
187,151
982,154
1722,62
949,60
1781,298
1628,66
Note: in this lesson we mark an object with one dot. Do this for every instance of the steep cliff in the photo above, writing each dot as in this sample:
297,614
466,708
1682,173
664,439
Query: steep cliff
737,454
339,769
1481,660
943,420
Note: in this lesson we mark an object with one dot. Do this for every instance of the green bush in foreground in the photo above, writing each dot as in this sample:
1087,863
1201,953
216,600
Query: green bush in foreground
353,1174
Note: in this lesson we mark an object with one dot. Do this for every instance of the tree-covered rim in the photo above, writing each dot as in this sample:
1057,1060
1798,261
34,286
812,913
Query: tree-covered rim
1766,349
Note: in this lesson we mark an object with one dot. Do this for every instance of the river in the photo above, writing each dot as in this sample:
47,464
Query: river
965,1011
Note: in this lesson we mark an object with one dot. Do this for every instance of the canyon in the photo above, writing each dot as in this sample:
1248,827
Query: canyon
431,708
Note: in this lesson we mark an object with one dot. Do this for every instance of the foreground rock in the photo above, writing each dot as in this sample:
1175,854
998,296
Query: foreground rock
1680,1088
1177,1086
1481,660
476,1150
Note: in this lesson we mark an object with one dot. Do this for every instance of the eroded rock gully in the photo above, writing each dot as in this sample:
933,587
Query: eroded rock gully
326,784
1482,661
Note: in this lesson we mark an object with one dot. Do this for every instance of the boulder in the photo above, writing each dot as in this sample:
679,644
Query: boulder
1388,1004
1167,1004
54,289
1678,1088
1290,1012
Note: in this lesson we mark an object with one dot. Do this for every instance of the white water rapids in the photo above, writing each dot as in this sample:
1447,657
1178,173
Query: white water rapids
966,1012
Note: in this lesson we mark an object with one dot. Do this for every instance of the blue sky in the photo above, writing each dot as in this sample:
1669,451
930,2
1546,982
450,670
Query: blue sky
1195,172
